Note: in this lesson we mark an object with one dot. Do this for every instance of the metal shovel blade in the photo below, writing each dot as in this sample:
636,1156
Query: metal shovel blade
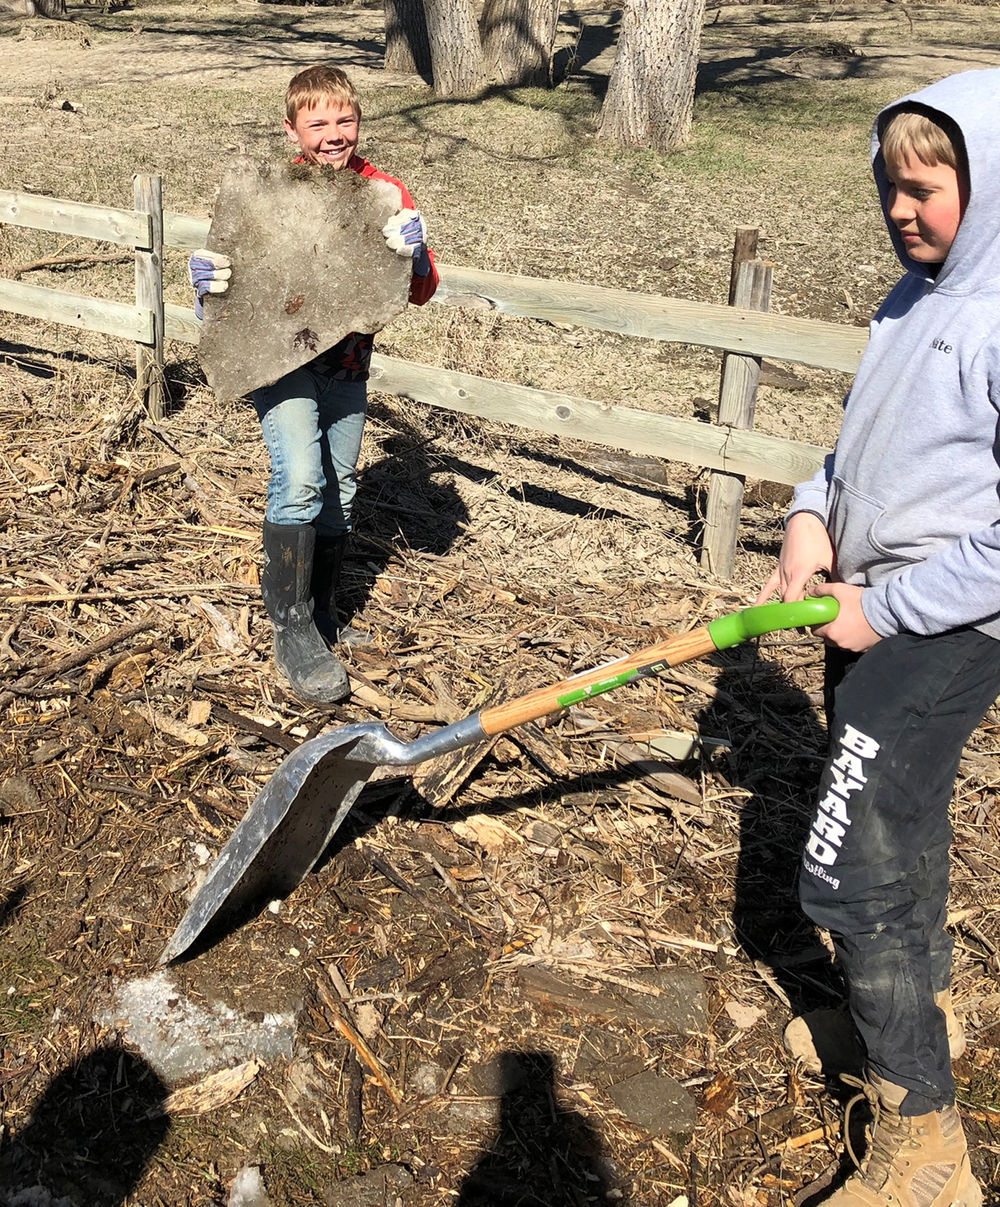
296,814
282,834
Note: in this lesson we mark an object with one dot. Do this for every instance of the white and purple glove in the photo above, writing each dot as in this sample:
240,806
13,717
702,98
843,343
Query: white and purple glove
209,272
406,235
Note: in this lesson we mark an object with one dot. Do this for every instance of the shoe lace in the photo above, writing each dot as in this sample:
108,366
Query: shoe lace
889,1131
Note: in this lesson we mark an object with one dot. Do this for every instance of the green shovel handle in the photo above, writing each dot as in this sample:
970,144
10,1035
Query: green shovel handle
770,618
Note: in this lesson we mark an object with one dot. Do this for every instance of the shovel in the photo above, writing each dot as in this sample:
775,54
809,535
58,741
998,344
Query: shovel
297,812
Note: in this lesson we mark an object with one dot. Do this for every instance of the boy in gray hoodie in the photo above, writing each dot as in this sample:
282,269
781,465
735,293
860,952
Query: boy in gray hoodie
904,519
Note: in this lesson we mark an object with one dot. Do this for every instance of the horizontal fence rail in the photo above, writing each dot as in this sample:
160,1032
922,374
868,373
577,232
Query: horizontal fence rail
752,454
802,341
731,329
76,218
78,310
748,453
776,337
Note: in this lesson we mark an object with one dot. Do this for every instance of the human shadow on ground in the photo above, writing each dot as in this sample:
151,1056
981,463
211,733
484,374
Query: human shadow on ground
11,902
403,503
778,747
92,1133
543,1154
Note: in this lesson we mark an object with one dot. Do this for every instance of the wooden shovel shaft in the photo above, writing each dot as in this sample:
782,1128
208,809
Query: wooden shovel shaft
719,634
553,697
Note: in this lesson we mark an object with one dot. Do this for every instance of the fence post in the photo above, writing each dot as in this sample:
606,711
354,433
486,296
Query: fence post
744,248
737,398
148,194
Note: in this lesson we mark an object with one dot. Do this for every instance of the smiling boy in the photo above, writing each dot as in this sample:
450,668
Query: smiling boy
312,419
904,519
325,132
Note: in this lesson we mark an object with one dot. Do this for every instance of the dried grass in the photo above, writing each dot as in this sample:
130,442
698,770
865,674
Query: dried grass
143,714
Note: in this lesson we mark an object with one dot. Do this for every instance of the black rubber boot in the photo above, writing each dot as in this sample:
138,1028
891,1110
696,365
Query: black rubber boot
327,562
286,585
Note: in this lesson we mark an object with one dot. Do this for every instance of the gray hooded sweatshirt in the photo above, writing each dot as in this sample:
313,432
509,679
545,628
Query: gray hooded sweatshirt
911,493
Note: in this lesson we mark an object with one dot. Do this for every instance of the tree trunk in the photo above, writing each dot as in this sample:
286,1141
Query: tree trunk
55,10
406,46
456,54
651,91
517,38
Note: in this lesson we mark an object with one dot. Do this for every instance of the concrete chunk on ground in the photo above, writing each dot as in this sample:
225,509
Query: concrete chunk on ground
603,1056
310,265
383,1185
680,1007
248,1190
657,1103
677,1006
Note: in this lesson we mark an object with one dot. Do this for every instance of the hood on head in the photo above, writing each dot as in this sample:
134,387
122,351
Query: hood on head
967,106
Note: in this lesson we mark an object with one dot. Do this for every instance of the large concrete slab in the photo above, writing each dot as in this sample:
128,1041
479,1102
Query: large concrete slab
310,265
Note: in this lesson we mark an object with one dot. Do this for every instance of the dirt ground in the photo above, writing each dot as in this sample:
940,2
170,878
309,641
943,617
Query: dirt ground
504,928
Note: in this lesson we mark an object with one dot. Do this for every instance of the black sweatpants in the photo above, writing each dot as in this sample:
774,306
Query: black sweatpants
875,865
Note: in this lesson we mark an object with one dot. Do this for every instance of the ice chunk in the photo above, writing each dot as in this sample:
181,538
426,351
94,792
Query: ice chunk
310,265
247,1189
183,1039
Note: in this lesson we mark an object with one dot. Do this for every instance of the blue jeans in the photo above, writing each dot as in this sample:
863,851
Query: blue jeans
875,865
312,427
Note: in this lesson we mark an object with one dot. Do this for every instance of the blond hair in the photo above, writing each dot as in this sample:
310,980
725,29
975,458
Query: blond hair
313,85
909,133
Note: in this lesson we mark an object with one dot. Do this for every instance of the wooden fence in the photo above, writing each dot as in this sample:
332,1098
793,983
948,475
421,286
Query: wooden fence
743,331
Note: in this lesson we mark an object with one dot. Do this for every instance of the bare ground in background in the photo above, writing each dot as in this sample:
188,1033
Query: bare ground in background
487,562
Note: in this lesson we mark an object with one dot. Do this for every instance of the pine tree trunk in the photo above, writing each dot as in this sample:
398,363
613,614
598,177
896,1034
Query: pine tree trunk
406,46
517,38
456,54
650,95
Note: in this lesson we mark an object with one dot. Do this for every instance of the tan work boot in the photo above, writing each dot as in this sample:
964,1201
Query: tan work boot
826,1042
912,1160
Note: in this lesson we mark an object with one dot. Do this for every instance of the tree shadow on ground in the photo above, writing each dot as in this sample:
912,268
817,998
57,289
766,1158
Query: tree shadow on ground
92,1133
419,118
586,61
777,63
248,37
543,1154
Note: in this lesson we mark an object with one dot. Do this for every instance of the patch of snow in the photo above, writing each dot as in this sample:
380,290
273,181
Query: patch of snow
247,1189
183,1039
